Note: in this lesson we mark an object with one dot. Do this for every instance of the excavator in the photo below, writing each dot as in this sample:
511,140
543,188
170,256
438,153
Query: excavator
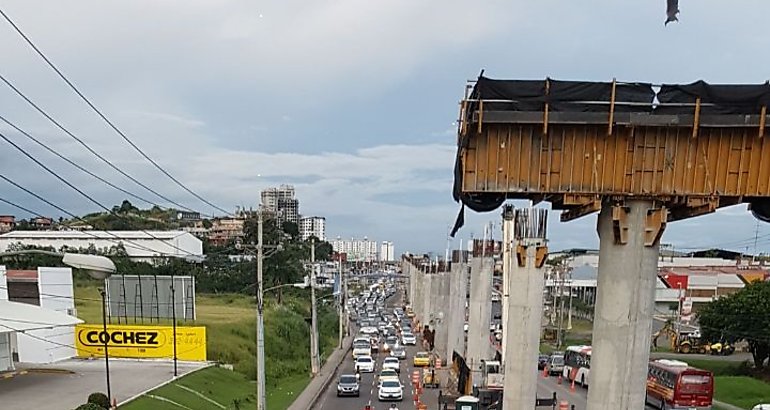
690,342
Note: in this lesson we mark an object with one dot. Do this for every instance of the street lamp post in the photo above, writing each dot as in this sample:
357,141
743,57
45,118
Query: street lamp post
314,354
105,337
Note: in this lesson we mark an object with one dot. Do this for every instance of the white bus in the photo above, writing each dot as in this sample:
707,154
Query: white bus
577,364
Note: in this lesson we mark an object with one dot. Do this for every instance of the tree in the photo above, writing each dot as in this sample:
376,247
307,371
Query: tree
744,315
291,229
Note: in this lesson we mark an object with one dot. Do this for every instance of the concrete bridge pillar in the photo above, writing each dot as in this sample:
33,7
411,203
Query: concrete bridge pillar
629,237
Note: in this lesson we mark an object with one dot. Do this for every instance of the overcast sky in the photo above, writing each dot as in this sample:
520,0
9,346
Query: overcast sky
352,101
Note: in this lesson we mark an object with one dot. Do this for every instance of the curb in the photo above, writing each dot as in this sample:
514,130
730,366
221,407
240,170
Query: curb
12,374
311,402
49,371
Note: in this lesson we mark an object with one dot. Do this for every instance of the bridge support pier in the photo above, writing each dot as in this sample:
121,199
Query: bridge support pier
524,305
629,236
441,318
458,289
480,315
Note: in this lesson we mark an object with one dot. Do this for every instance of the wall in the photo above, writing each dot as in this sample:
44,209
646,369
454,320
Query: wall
51,345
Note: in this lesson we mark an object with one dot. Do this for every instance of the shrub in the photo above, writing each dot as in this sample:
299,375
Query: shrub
90,406
100,399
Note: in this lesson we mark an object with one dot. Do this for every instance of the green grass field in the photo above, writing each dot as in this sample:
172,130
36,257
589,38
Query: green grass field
231,337
200,391
742,391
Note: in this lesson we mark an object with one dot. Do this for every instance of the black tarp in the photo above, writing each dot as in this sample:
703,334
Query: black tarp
530,95
716,99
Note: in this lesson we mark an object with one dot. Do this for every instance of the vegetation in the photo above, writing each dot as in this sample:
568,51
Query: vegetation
742,391
226,388
744,315
100,399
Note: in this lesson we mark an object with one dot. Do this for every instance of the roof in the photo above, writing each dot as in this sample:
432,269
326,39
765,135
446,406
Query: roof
21,317
91,235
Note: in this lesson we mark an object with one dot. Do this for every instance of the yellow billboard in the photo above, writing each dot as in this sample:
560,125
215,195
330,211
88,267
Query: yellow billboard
142,342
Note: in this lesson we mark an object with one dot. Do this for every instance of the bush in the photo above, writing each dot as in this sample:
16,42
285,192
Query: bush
100,399
90,406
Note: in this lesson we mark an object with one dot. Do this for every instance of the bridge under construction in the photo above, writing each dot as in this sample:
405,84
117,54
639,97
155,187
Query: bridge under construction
639,154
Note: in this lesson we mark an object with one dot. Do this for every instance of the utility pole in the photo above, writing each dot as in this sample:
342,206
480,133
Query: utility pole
261,394
314,359
342,297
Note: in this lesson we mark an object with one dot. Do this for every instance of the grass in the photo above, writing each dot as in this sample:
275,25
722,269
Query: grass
229,389
742,391
231,335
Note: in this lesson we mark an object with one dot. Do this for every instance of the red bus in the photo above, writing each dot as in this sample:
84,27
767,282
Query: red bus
674,385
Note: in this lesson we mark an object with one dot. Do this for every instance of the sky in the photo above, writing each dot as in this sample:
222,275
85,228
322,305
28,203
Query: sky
353,102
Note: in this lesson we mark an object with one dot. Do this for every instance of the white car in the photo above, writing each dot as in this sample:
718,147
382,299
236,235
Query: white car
392,363
365,364
408,339
390,390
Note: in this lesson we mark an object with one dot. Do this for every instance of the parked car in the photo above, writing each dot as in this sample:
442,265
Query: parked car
390,390
347,385
365,364
391,363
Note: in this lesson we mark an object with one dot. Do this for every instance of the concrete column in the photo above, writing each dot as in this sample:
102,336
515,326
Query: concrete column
624,307
419,296
524,307
427,306
441,318
458,288
479,315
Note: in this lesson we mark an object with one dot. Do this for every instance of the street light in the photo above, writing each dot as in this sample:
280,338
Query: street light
99,268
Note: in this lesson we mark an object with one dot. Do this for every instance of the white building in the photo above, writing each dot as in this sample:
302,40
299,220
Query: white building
357,250
282,202
387,252
41,330
312,226
139,245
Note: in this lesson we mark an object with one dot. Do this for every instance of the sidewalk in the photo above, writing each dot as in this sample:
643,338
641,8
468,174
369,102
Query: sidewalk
317,386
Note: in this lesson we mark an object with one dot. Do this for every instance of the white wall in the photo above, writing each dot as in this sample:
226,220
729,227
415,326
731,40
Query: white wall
3,284
6,360
51,345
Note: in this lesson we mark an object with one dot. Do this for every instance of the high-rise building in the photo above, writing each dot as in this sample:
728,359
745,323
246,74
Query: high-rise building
281,202
387,252
357,250
312,226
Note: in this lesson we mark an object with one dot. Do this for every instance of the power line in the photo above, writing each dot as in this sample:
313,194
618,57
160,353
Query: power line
74,164
78,190
86,146
70,214
103,117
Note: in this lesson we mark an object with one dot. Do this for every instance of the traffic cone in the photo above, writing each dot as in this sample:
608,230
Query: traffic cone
572,386
563,405
558,379
545,372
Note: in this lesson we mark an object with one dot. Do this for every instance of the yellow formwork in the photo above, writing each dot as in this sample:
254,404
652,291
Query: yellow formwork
575,165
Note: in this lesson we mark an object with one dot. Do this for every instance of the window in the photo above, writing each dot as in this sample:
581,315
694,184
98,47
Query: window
695,379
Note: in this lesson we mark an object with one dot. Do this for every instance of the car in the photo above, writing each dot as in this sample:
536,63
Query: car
421,359
365,364
542,361
347,385
390,342
391,363
390,390
362,346
387,374
408,339
398,352
555,364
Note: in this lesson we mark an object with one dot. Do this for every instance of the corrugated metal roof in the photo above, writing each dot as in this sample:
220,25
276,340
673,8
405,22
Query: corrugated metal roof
21,317
90,235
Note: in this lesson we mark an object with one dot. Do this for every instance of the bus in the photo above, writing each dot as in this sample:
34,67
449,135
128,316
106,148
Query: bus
672,384
577,364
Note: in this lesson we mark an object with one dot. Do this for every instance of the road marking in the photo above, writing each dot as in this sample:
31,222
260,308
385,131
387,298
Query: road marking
160,398
200,395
